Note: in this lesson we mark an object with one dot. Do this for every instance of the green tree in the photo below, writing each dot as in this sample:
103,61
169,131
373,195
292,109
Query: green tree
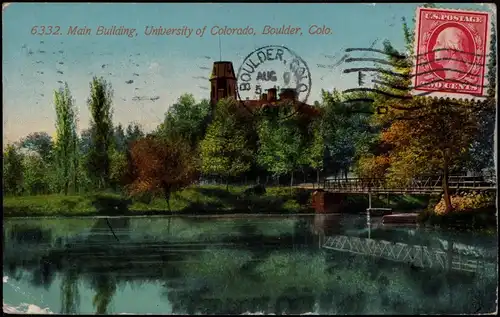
227,149
480,156
85,141
40,175
84,147
12,171
118,167
345,130
118,157
283,140
39,142
100,107
120,140
35,175
316,150
133,133
66,144
187,119
75,160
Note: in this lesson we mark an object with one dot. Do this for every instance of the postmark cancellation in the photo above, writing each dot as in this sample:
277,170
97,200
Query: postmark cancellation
451,51
273,66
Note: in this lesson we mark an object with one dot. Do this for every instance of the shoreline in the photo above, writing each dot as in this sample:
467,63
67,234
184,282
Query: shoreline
220,215
212,202
447,225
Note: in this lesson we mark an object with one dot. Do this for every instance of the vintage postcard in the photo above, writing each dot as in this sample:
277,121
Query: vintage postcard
249,158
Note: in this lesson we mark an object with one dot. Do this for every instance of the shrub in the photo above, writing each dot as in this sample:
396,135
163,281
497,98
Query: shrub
466,202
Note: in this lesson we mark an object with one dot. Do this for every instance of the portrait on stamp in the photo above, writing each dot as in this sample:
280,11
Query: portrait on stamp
451,53
454,52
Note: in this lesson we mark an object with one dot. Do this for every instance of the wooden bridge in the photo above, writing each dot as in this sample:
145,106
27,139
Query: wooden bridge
417,255
422,185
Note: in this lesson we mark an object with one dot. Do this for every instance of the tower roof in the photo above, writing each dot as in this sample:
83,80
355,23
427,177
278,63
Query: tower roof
222,69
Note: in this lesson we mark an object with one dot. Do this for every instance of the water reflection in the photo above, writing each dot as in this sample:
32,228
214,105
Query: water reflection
237,265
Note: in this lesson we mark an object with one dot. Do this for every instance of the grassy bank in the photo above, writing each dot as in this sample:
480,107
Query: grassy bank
193,200
196,200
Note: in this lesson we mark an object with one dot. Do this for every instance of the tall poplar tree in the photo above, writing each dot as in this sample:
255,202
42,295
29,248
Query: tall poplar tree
100,107
66,145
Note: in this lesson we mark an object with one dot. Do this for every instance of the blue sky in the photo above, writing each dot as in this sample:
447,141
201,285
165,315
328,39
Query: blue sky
165,66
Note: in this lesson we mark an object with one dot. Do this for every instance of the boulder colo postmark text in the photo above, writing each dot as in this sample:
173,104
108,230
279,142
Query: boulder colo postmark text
273,66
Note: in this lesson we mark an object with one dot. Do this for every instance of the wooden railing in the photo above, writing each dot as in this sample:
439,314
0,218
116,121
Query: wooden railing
422,184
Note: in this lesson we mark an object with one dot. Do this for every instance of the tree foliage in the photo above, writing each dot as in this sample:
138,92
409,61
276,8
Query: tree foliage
480,154
67,140
227,149
372,166
39,142
187,119
36,175
120,140
133,132
283,143
12,171
38,163
425,135
118,167
162,164
345,129
434,142
99,104
315,155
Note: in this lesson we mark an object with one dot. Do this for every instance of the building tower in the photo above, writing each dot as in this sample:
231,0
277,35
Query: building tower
222,82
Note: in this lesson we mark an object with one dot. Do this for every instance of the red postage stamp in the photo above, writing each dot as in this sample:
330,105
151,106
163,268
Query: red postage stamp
451,53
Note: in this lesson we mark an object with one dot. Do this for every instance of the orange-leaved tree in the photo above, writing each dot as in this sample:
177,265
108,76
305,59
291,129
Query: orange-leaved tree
424,135
432,139
162,165
372,166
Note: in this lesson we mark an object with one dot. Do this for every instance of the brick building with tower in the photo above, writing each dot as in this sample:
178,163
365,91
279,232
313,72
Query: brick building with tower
223,84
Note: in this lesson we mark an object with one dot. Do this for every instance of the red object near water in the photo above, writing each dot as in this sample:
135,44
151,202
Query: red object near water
324,202
400,218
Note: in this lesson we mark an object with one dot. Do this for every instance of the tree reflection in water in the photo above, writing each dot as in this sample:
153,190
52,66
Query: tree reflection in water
237,266
70,296
105,287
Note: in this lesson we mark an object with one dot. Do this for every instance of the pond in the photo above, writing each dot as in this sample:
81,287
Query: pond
319,264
